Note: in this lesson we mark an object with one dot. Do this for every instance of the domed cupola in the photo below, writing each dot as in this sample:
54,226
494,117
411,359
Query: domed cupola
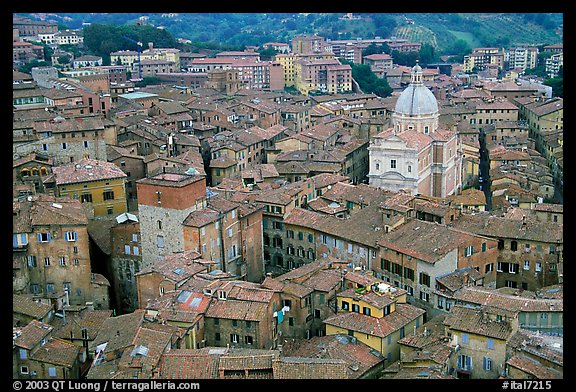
416,107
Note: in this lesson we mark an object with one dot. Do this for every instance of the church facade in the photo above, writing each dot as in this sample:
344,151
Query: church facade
414,153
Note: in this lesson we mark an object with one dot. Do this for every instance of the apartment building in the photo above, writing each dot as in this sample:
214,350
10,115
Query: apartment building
376,315
523,57
51,235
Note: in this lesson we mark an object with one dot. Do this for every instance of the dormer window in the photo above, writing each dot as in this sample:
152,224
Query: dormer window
222,295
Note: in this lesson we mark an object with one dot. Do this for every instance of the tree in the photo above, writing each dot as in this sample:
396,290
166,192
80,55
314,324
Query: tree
63,59
375,49
27,68
557,85
146,80
369,82
267,54
405,58
427,54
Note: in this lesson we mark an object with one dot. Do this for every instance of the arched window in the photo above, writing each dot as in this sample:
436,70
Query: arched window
35,171
25,172
43,171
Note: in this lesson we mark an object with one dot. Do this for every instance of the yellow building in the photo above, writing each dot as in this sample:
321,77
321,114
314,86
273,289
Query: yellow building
378,316
100,183
287,62
124,57
165,54
293,70
479,337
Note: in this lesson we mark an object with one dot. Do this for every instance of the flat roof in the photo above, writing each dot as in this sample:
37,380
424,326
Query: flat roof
136,95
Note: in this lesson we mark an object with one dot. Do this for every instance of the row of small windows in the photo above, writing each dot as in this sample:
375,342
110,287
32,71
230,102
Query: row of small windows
393,165
32,261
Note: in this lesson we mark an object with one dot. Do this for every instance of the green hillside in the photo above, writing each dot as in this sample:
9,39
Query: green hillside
495,29
441,30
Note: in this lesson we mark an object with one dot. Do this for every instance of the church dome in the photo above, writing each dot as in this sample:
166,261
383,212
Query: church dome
416,99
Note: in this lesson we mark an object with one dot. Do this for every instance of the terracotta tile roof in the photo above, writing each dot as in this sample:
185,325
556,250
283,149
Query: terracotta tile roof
429,342
497,227
433,207
86,170
47,210
309,368
57,352
281,196
359,194
360,278
370,297
424,240
222,162
380,327
115,152
326,206
324,280
253,294
92,320
304,272
200,218
320,132
456,280
533,367
551,292
153,342
414,139
247,359
543,347
176,266
75,124
31,335
546,107
238,310
171,179
183,306
358,356
105,370
483,296
469,197
118,332
260,172
34,157
100,232
548,207
188,364
25,305
427,335
473,321
297,290
419,373
272,284
171,107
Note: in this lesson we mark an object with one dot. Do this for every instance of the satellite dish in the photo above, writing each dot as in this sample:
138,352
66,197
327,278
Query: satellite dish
329,186
29,198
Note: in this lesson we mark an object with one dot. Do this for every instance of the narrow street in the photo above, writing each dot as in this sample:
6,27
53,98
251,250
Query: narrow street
484,178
